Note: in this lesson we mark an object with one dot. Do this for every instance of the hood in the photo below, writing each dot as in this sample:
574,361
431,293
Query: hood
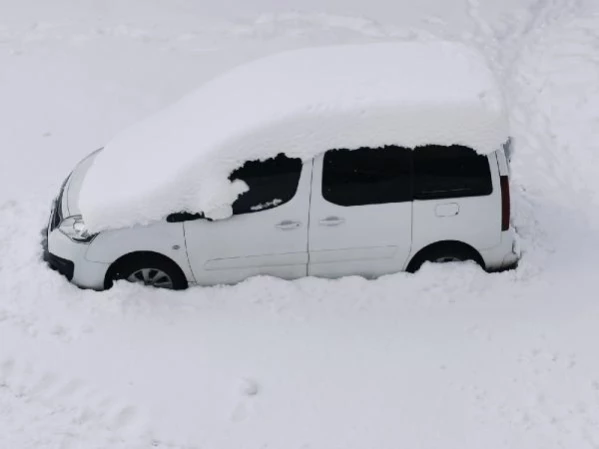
70,205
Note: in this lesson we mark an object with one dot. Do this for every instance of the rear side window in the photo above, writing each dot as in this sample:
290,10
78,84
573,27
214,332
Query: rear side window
271,183
367,176
450,172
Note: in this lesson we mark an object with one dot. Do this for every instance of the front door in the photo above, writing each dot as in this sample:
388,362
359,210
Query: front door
268,232
361,212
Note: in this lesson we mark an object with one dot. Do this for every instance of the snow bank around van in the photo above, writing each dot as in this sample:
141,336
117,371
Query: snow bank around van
301,103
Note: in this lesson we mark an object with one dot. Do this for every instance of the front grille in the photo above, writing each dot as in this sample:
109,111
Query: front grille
56,218
56,215
63,266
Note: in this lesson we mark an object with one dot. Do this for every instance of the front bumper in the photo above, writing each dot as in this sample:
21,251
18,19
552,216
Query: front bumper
65,255
68,258
63,266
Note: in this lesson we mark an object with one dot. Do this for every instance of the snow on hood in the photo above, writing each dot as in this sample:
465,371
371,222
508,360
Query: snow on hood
301,103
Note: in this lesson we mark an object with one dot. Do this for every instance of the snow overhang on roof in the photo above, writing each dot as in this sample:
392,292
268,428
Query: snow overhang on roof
301,103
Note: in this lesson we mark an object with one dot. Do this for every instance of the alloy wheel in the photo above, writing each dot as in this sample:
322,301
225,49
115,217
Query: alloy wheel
152,277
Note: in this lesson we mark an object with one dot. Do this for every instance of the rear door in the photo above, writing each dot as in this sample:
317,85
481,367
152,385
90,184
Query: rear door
268,232
361,212
456,197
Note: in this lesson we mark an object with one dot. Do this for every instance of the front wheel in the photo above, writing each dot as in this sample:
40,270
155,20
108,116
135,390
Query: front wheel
152,277
150,270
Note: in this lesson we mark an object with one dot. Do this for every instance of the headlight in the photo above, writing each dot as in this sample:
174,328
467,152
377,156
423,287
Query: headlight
74,228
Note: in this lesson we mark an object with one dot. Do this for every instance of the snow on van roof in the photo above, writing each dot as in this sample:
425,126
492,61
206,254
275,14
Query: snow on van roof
301,103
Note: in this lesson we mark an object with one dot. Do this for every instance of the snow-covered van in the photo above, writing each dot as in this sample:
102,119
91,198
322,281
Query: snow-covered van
350,160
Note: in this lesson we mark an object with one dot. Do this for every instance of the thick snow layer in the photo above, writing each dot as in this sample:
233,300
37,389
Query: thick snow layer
301,103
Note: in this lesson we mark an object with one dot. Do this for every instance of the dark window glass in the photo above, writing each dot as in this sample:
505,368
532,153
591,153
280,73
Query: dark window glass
367,176
450,172
272,182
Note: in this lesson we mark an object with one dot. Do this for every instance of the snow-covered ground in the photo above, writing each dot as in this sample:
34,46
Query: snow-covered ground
448,358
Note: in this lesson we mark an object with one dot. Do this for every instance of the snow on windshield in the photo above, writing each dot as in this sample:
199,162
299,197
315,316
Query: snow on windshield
300,103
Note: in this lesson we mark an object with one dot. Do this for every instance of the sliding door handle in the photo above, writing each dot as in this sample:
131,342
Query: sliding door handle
287,225
332,221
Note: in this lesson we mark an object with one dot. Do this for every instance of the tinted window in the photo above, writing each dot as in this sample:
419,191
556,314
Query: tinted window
272,182
366,176
450,172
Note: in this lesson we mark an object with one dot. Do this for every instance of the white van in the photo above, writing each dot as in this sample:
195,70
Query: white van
353,160
367,212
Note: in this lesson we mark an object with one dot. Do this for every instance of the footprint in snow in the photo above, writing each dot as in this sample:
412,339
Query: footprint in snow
247,389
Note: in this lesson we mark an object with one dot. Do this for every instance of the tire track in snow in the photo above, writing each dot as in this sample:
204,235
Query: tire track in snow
549,64
520,49
555,114
293,25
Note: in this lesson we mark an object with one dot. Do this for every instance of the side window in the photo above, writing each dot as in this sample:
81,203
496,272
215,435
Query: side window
450,172
367,176
271,183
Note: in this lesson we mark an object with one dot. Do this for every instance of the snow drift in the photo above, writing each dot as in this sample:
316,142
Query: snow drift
300,103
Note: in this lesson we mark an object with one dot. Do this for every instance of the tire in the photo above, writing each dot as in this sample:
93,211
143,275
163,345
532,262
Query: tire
147,269
445,253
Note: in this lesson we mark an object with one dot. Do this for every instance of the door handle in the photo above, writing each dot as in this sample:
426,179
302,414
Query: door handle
287,225
332,221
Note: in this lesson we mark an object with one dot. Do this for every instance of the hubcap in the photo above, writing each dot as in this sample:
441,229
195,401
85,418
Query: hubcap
152,277
447,259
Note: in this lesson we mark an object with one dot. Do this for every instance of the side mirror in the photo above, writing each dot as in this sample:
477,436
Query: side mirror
179,217
220,213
